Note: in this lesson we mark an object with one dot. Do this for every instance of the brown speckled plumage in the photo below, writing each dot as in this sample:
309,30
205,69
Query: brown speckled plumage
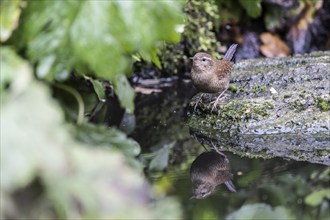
210,75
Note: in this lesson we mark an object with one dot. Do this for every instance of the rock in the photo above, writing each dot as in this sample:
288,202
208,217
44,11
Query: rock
274,108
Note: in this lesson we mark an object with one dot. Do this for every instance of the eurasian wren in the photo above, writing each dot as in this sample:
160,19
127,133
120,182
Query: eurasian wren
210,75
209,170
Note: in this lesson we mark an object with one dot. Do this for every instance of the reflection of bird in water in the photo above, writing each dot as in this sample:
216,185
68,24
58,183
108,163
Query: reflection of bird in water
209,170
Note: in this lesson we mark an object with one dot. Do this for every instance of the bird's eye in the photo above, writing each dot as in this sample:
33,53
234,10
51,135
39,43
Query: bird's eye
203,59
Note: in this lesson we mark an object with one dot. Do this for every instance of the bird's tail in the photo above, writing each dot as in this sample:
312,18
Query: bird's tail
230,186
230,52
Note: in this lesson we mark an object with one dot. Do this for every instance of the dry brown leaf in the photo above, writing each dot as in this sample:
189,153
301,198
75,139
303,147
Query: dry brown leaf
273,46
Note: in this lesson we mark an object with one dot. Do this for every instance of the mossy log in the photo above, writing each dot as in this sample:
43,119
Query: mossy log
273,108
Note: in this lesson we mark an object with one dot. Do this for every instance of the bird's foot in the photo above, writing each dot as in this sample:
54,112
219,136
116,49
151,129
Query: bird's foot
217,149
198,101
216,102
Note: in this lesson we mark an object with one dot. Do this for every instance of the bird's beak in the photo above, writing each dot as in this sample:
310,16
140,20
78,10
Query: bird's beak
191,58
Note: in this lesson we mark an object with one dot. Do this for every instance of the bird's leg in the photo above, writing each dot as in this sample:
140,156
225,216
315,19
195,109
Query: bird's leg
198,100
216,102
217,149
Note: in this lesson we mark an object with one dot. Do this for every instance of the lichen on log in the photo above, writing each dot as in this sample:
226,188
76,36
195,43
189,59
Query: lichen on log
273,108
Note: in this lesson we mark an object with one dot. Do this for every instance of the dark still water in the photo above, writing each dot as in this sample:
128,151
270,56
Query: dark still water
267,186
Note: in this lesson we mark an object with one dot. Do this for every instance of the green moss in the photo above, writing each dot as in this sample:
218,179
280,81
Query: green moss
322,153
233,88
222,118
269,105
304,100
254,89
260,111
286,96
257,89
322,103
299,104
324,106
201,19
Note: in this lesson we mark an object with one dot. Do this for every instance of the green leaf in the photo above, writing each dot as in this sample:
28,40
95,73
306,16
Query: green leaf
155,59
79,180
97,38
316,198
34,118
160,160
98,88
95,35
151,56
45,31
10,12
252,7
124,92
15,72
100,135
45,66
